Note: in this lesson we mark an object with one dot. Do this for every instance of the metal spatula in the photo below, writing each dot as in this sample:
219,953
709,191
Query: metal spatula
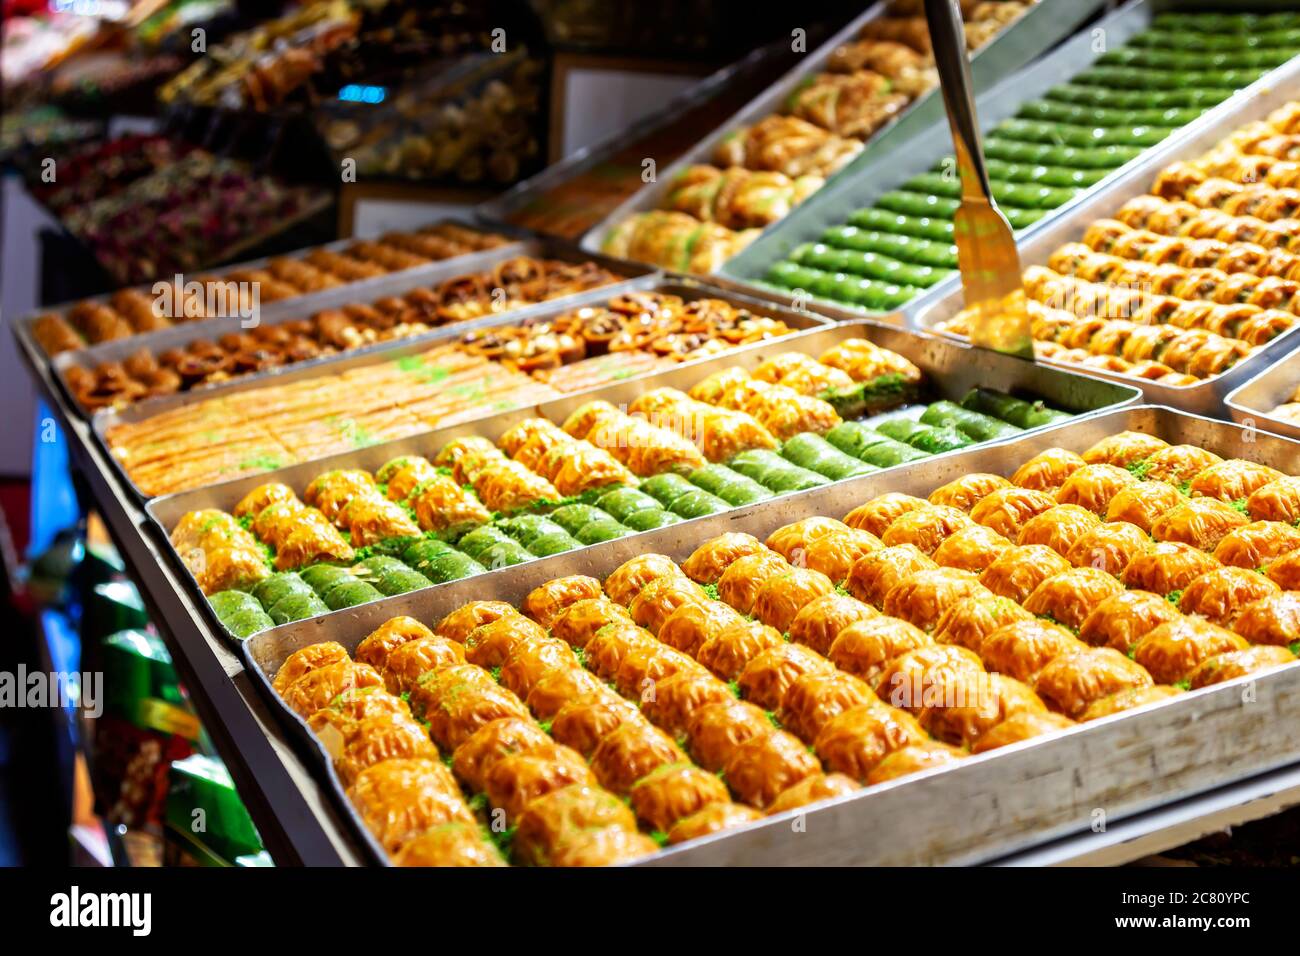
986,247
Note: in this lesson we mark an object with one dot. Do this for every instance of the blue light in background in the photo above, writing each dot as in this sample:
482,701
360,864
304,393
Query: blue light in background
358,93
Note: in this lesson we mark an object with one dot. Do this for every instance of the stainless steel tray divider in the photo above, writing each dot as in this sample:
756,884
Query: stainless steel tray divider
1037,30
951,368
1206,397
1252,403
986,806
862,185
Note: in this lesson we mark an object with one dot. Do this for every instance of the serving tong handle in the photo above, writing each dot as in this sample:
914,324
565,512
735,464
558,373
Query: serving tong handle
986,245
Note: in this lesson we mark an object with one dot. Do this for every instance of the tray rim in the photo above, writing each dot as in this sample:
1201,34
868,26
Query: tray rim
1285,368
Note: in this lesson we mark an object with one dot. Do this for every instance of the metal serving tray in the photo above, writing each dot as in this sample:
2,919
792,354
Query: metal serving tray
303,307
1037,30
986,806
272,311
877,175
951,369
398,349
1205,397
1252,403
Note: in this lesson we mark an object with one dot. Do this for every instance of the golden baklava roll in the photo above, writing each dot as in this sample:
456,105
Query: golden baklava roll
719,433
712,819
1233,664
971,549
450,844
1127,700
1007,510
489,645
531,659
675,699
1178,463
922,598
1023,648
660,598
855,741
1274,619
967,623
493,741
252,504
606,650
1143,503
1256,544
331,491
630,752
547,601
675,792
1016,572
1172,651
707,562
372,740
302,662
767,764
460,623
407,663
927,527
442,505
1093,486
1109,547
398,800
792,539
965,492
729,651
917,678
742,582
1021,726
1279,500
508,486
1219,595
1124,449
1069,597
876,515
1200,522
821,620
1059,528
585,721
693,623
877,573
1166,567
784,594
316,689
980,702
627,580
816,697
1071,682
369,519
579,622
517,780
